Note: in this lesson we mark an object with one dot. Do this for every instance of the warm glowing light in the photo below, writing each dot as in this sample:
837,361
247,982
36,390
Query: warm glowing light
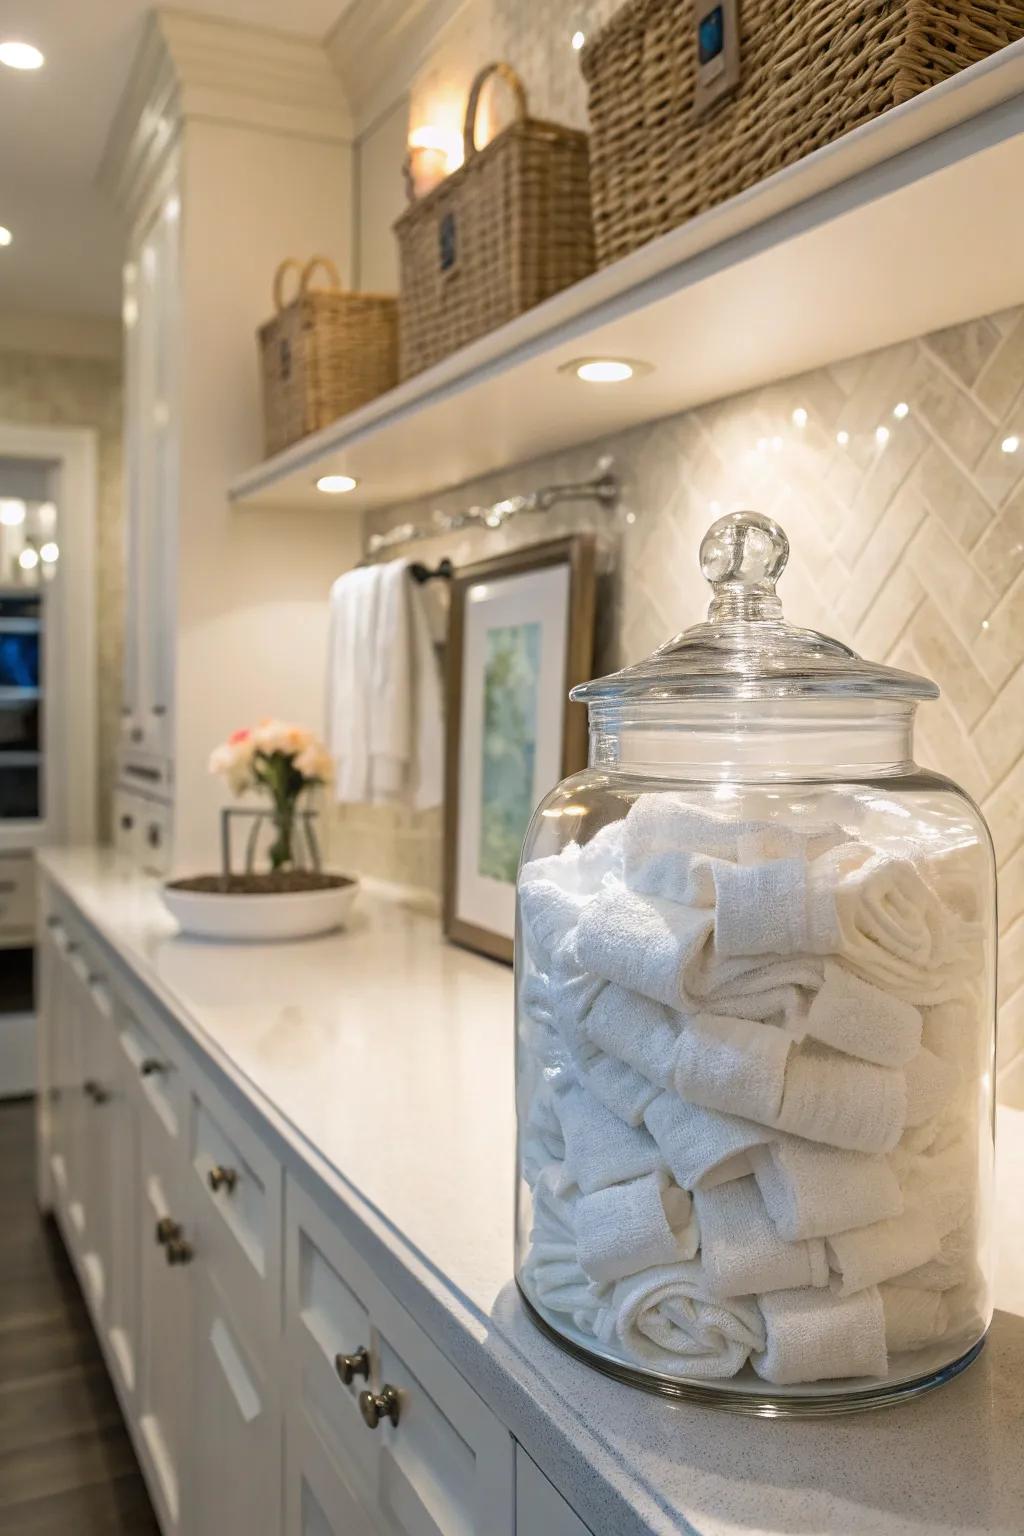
130,311
172,208
29,558
1010,444
336,485
12,513
776,444
434,152
901,409
762,445
604,370
842,438
49,553
20,56
881,436
800,417
5,235
578,40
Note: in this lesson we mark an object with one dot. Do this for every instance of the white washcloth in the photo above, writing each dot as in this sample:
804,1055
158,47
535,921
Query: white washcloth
954,1265
701,1147
882,1251
951,1032
352,632
664,1318
813,1191
943,1182
748,986
406,712
813,1335
740,1250
932,1084
734,1065
617,1086
913,1317
551,1268
859,1019
580,867
640,942
634,1226
601,1149
549,914
841,1101
776,907
636,1030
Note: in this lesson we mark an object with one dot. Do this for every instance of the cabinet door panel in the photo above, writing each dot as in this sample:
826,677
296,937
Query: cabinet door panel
235,1428
319,1500
540,1508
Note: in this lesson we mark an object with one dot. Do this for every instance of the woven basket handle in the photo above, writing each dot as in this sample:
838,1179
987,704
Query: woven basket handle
290,264
518,89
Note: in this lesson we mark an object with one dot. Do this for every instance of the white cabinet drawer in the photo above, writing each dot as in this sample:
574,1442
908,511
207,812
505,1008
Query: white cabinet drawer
17,895
540,1508
157,1063
446,1467
236,1195
319,1501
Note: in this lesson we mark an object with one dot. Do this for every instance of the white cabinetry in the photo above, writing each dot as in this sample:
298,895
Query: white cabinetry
272,1383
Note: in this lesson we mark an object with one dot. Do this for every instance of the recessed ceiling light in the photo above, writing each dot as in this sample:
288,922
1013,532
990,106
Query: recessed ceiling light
842,438
800,417
1010,444
5,235
49,553
881,436
29,558
20,56
605,370
12,512
901,409
336,485
578,40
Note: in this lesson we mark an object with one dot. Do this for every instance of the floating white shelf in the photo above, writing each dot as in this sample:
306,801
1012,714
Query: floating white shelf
909,224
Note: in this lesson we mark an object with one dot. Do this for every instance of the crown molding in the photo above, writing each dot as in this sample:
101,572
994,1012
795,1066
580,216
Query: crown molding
377,46
192,67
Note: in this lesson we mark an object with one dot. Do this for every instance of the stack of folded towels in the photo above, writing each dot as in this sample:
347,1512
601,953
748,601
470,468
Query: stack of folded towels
750,1092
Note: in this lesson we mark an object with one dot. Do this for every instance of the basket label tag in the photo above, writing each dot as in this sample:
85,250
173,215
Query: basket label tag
447,246
284,359
717,29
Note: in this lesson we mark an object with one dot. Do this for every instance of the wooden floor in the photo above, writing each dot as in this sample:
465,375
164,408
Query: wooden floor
66,1464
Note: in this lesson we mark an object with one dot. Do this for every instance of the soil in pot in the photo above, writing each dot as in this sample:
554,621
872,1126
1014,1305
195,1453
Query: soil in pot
282,883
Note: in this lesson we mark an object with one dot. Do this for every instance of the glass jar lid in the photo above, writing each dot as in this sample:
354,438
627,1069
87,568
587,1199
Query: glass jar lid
745,649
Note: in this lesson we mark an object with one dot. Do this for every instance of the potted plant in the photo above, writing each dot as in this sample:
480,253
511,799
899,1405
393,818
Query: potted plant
282,764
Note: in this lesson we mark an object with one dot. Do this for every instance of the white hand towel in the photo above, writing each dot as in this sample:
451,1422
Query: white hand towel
734,1065
812,1191
896,933
701,1147
406,710
740,1250
352,632
601,1149
776,907
842,1102
931,1085
664,1318
859,1019
640,942
955,1264
882,1251
813,1335
636,1030
634,1226
617,1086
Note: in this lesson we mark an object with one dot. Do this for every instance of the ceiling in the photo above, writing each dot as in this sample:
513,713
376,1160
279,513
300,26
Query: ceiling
65,255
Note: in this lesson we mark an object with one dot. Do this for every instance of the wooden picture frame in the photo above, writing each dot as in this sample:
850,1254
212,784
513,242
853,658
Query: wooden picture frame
555,614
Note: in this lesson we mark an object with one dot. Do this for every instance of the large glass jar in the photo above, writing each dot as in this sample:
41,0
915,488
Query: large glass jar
755,976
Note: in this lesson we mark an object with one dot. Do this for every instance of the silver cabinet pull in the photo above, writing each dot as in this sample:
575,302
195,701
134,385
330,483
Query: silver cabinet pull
349,1367
95,1091
375,1406
150,1066
167,1229
220,1177
179,1251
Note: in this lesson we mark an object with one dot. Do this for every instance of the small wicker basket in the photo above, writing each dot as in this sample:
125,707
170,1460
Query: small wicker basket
325,353
506,230
808,74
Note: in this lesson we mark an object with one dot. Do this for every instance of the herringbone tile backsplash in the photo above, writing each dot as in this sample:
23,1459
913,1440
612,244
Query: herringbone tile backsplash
896,477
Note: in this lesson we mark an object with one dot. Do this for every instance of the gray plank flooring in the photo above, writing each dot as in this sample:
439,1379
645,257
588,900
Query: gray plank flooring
67,1467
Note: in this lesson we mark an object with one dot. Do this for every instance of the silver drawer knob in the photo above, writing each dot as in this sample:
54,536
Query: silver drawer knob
375,1406
179,1251
220,1177
167,1229
349,1367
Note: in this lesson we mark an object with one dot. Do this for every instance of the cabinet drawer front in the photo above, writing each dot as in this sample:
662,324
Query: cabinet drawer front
236,1192
155,1062
319,1500
17,894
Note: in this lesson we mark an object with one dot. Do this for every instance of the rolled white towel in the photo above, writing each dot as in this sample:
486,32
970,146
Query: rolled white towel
740,1250
859,1019
734,1065
943,1182
749,986
543,1142
869,1255
913,1317
640,942
549,914
812,1335
955,1264
775,907
617,1086
580,867
601,1149
637,1030
664,1318
634,1226
812,1191
952,1032
701,1147
551,1268
932,1084
842,1102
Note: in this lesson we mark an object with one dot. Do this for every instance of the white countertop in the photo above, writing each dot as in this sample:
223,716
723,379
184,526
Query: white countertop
387,1058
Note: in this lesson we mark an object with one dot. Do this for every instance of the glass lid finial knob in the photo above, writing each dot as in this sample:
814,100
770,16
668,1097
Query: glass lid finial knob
743,555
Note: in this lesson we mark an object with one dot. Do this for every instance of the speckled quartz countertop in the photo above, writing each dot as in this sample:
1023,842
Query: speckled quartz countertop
385,1025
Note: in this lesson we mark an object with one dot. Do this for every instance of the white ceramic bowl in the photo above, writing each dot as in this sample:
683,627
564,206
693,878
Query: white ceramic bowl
259,918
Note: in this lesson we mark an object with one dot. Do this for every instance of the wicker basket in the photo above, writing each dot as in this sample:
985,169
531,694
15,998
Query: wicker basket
324,354
808,74
506,230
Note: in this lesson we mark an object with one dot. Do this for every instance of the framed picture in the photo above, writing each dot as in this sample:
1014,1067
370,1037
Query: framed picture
521,634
